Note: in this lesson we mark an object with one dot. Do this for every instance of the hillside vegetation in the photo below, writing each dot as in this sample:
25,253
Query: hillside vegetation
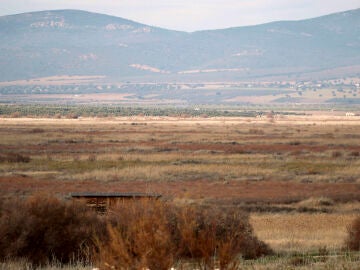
72,42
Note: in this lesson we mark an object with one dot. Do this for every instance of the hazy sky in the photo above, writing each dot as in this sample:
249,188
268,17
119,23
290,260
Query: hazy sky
191,15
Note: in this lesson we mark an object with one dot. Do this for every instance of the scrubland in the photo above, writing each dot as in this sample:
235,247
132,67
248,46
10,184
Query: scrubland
296,177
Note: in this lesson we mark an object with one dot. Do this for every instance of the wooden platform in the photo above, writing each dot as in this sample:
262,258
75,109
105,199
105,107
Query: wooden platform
101,202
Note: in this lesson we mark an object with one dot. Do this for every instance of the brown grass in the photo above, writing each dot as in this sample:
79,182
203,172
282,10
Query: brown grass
353,238
281,169
14,158
155,235
302,232
140,234
42,229
232,192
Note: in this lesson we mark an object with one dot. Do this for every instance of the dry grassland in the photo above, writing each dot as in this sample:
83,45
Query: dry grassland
302,231
298,176
55,80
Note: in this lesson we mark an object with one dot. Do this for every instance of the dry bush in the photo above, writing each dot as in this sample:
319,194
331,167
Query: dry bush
336,154
298,261
14,158
314,202
295,143
353,239
37,130
15,115
158,235
256,131
354,154
42,229
141,236
92,158
217,233
72,116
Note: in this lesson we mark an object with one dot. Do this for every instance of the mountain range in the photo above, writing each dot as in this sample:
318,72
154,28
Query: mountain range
73,42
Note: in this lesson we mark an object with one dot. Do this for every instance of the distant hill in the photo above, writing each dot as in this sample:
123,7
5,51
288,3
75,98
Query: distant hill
72,42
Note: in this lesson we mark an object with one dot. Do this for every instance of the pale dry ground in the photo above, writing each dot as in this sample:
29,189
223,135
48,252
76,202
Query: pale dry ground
252,99
319,118
55,80
302,232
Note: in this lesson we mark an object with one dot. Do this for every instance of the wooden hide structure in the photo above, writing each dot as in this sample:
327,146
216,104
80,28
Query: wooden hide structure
102,202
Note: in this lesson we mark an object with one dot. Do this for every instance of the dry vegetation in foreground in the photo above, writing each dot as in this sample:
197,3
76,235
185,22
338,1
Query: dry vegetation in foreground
299,181
134,235
42,232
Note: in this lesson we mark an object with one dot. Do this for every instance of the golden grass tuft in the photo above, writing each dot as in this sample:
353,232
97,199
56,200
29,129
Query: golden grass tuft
302,232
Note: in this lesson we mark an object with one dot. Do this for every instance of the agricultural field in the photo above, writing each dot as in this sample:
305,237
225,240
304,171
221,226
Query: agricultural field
95,90
297,177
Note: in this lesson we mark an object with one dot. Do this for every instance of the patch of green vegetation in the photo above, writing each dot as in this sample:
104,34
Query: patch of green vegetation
302,167
76,165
